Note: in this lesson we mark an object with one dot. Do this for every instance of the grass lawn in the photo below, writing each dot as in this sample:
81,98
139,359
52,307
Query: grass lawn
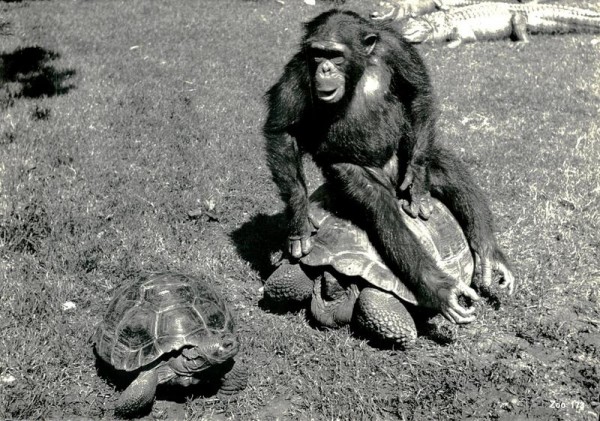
119,118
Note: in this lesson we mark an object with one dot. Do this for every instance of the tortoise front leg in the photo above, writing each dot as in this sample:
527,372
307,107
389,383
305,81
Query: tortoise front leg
138,395
233,381
288,283
383,315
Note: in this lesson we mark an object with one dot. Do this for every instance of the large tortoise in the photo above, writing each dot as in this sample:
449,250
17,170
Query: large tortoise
169,328
344,276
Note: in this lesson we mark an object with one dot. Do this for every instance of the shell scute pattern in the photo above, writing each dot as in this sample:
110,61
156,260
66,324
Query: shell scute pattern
164,297
156,315
444,242
348,250
179,322
121,356
346,279
136,330
214,317
115,313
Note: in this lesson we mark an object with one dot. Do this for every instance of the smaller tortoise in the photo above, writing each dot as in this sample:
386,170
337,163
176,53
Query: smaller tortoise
345,277
171,329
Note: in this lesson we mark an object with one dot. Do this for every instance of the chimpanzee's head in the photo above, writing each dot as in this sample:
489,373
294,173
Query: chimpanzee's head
337,46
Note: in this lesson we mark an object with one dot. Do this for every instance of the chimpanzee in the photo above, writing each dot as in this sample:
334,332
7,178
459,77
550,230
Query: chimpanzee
358,99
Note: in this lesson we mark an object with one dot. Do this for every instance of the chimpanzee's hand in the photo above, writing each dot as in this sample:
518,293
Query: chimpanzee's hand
419,205
487,263
301,244
451,308
420,198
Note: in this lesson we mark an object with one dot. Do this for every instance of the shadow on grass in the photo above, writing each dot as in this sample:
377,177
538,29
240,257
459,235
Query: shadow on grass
32,75
259,240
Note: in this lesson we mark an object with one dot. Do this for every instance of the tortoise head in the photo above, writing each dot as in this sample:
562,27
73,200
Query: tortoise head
212,352
333,299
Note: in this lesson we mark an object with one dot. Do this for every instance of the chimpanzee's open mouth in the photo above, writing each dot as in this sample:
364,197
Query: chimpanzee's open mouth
327,95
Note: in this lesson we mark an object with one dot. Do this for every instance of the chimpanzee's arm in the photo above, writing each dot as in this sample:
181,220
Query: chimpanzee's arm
453,185
287,101
417,171
435,170
412,86
285,162
374,205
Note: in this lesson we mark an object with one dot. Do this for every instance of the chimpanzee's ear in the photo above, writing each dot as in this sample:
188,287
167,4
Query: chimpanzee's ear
370,42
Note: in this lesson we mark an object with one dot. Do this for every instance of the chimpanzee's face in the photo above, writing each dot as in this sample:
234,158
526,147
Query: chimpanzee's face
336,66
330,59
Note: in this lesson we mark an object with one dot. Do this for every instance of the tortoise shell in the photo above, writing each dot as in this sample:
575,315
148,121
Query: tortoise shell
346,247
157,314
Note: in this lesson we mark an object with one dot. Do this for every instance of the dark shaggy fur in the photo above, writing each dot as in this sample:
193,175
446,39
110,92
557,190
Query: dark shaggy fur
382,130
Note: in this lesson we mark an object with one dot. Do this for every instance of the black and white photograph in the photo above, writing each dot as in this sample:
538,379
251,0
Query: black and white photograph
300,210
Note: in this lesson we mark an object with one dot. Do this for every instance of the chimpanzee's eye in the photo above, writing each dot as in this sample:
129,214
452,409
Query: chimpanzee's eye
319,55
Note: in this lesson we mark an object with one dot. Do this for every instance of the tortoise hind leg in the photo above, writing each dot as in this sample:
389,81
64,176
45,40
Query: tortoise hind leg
383,316
288,283
138,395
